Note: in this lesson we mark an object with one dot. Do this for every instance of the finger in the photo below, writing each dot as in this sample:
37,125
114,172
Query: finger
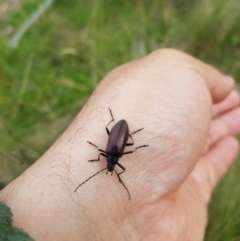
219,85
214,164
231,101
227,124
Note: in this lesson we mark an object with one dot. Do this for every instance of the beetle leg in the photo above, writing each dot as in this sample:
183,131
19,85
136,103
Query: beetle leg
130,144
136,131
129,152
118,174
120,180
94,160
122,167
130,135
96,147
108,132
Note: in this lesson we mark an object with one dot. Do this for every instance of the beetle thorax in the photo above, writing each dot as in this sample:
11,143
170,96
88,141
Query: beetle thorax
111,162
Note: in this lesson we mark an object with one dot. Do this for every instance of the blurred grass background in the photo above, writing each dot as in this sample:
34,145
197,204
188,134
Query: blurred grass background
59,61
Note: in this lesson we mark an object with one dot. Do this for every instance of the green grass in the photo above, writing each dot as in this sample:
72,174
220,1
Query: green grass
60,60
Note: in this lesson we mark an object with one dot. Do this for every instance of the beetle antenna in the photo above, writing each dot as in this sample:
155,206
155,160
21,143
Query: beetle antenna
89,179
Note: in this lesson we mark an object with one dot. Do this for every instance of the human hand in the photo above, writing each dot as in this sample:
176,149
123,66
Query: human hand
190,117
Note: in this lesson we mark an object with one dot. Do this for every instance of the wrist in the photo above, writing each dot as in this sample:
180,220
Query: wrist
45,205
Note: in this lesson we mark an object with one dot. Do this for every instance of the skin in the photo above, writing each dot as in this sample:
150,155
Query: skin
190,115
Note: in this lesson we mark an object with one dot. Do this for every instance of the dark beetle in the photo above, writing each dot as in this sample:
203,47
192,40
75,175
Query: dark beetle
117,141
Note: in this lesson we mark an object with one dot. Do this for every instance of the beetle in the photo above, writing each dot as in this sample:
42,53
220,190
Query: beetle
117,141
